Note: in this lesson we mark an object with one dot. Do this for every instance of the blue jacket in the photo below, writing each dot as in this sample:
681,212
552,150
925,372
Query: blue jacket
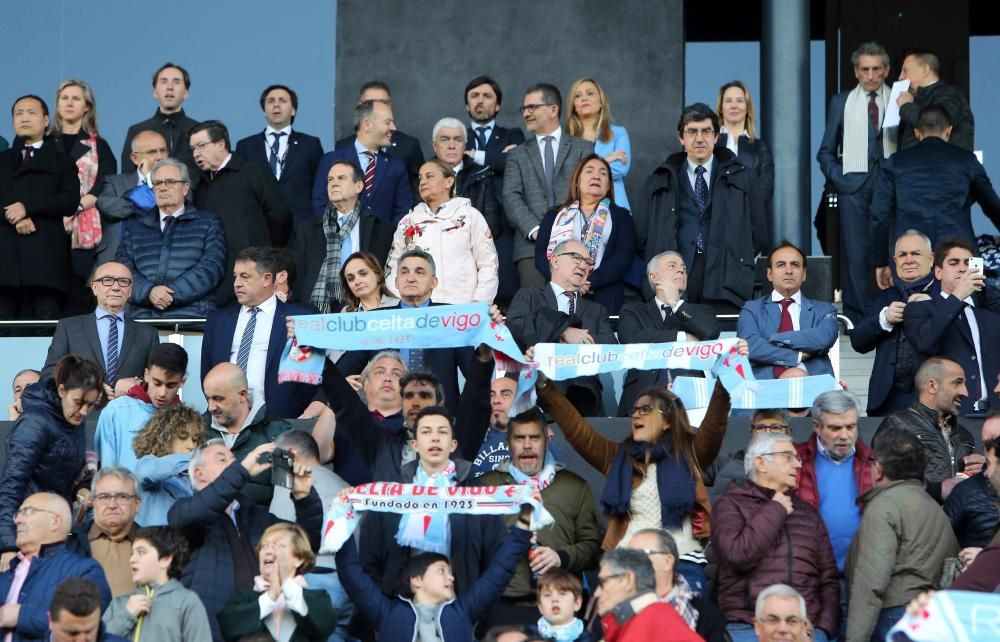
162,480
619,142
120,421
53,565
209,573
44,454
391,196
190,259
396,618
818,331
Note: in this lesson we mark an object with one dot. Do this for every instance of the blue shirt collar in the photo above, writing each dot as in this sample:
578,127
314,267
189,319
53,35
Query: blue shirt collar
100,313
404,304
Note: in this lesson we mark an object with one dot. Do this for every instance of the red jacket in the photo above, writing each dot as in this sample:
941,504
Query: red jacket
645,618
808,489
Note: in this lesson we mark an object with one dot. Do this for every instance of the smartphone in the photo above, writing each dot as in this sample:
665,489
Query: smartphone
976,264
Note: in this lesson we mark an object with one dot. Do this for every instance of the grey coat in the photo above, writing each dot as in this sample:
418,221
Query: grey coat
175,615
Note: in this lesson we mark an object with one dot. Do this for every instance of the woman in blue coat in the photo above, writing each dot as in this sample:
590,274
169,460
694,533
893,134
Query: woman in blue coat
591,216
589,118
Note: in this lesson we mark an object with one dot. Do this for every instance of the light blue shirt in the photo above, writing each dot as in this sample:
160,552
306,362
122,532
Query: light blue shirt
103,328
362,152
619,142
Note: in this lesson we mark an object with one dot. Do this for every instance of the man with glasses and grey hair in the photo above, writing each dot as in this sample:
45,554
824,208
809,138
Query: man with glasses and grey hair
780,615
472,180
730,467
763,533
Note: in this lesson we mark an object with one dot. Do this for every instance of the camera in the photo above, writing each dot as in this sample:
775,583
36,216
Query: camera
281,466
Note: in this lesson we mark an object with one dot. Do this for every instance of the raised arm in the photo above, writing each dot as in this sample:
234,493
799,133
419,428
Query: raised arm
598,450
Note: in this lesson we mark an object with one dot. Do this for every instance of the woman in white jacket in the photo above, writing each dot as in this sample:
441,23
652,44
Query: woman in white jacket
454,233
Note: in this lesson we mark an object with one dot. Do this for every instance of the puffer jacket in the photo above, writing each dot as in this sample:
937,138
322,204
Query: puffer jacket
459,239
45,453
808,488
973,508
189,259
758,543
897,554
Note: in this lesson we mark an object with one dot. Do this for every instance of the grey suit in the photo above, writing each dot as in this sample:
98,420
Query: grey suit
524,194
78,335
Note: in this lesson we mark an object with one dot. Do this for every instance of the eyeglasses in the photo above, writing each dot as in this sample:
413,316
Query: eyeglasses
578,258
28,511
602,580
645,410
167,182
118,498
788,454
108,281
773,428
200,146
531,108
774,620
707,132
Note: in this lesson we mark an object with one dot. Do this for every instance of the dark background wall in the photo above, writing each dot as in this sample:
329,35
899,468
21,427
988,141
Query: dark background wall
427,51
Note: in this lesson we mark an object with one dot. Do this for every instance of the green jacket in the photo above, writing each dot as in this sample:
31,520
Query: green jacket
241,616
897,553
262,429
576,535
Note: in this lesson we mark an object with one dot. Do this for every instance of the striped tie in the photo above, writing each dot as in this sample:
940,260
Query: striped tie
369,174
112,357
243,356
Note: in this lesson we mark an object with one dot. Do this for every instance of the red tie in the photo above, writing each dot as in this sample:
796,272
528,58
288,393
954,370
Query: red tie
784,326
873,111
369,173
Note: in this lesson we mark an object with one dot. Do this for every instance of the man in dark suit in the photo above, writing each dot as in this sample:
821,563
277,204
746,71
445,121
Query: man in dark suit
387,190
960,323
557,313
854,147
242,192
119,345
291,155
921,68
929,187
171,84
890,387
128,194
706,205
787,332
537,175
252,335
665,318
38,187
345,227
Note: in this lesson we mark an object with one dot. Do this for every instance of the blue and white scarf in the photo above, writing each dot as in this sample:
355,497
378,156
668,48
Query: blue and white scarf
540,481
428,532
565,633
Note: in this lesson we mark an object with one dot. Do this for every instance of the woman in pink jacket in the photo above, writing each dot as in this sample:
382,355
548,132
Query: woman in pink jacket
454,233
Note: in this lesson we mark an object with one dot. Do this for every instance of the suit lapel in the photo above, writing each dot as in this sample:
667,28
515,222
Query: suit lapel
276,343
534,157
90,331
292,154
772,311
127,340
381,167
806,314
564,146
550,297
257,150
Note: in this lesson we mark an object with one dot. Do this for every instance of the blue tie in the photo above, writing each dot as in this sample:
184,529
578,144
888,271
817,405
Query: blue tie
243,356
701,197
481,137
275,146
111,359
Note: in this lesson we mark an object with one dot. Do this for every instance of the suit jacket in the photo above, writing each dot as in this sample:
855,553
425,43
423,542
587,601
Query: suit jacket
78,335
951,98
310,248
757,157
174,128
818,331
404,148
829,154
500,137
644,323
283,400
524,195
391,197
297,173
929,187
935,331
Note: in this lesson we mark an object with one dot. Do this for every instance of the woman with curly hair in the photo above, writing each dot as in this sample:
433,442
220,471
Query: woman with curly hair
164,449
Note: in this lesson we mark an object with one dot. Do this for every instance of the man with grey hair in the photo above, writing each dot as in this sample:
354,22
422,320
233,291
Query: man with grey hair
780,615
628,605
763,533
472,181
176,253
665,318
853,149
890,387
107,536
730,467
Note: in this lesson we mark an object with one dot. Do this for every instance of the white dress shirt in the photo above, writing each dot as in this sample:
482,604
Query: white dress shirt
557,136
282,145
257,362
733,142
970,314
479,155
562,301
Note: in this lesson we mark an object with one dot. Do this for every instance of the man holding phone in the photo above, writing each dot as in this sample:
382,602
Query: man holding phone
964,326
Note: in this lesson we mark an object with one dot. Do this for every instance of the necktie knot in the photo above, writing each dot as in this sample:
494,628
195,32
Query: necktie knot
699,170
277,135
254,311
369,155
786,302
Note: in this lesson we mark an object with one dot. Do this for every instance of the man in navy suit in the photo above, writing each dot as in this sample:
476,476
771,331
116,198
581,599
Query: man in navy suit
387,190
960,323
785,330
890,387
292,156
854,147
930,187
252,334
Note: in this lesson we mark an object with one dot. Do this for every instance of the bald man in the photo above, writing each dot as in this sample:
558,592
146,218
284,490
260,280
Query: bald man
119,345
39,565
242,421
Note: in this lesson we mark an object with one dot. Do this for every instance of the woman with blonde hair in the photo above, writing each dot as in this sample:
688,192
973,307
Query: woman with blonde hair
589,117
738,133
163,448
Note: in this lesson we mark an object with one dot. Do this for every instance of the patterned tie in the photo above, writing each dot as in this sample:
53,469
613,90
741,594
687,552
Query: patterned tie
784,326
481,137
273,160
550,169
572,301
369,173
243,356
701,197
111,359
416,361
873,111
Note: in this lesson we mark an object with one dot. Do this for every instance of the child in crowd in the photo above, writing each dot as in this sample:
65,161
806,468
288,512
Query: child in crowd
164,449
161,609
560,596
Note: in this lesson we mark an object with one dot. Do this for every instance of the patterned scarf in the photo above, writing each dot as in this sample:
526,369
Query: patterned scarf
680,598
428,532
673,482
542,480
85,227
571,224
565,633
328,287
